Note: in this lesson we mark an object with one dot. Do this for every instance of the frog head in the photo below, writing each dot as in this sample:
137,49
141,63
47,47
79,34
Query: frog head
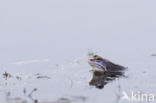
98,62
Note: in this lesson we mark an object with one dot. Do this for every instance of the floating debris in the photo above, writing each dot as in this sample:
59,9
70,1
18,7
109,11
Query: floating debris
30,94
39,76
63,100
43,77
7,75
10,99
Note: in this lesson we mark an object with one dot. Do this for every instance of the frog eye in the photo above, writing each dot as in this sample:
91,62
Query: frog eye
95,56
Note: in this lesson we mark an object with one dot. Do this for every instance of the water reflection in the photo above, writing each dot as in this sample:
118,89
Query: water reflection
100,79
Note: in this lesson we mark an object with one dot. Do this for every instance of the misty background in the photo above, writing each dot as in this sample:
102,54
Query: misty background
63,29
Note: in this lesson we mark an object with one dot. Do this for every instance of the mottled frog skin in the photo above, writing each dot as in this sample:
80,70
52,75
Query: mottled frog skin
104,64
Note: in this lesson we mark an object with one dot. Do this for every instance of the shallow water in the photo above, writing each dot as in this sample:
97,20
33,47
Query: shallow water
45,44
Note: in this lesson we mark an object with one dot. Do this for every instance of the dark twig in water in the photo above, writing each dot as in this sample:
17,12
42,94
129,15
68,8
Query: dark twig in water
30,95
43,77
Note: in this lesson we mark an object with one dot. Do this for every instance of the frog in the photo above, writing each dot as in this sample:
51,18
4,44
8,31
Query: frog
104,65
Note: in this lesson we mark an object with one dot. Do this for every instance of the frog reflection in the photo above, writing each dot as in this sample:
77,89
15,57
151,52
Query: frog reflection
100,79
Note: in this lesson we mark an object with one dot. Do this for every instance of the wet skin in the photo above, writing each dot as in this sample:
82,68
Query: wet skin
104,64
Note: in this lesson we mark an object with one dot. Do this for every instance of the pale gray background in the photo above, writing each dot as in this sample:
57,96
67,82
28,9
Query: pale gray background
61,29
